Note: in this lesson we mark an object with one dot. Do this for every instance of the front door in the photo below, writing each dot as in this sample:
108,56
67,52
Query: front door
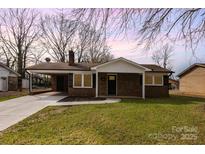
112,85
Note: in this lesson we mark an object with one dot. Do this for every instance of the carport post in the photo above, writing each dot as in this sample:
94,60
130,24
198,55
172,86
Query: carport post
96,92
143,85
30,83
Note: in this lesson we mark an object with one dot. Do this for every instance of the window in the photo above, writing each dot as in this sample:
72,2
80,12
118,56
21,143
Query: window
111,77
154,80
77,80
148,79
82,80
158,80
87,80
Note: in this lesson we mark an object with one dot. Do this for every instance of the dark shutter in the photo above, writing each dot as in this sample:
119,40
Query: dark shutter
70,80
166,80
94,80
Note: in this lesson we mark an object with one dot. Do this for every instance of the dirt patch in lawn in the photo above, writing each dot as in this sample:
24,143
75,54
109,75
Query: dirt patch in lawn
13,93
73,99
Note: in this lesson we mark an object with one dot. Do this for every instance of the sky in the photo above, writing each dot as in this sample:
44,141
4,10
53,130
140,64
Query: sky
180,59
126,48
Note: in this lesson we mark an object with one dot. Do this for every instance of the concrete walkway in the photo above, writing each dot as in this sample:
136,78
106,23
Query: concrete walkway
15,110
107,101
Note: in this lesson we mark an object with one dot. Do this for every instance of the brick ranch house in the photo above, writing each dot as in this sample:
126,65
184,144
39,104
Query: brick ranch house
117,78
192,79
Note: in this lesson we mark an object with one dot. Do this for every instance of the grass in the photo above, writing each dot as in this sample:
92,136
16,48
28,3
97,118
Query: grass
128,122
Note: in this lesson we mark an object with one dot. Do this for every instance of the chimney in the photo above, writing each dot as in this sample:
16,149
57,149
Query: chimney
71,58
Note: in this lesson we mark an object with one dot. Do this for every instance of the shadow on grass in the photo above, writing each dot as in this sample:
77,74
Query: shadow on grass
172,100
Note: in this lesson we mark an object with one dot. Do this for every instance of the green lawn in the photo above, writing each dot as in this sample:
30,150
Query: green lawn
127,122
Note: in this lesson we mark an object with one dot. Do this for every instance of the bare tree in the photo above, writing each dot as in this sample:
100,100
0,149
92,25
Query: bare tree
98,56
7,58
83,40
97,49
151,25
18,31
162,56
91,44
57,34
36,56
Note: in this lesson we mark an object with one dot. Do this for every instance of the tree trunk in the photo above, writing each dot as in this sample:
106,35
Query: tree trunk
19,68
24,66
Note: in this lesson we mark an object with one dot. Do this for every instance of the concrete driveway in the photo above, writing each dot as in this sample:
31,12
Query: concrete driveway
15,110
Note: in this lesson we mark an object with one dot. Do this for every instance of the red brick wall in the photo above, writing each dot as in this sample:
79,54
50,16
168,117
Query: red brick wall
53,83
128,84
102,84
156,91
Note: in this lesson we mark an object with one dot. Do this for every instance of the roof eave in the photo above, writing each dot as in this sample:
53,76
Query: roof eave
9,69
121,58
162,71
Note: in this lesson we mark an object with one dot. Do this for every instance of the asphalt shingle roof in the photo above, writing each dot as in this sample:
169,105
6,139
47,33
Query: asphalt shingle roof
8,68
84,67
155,68
61,66
190,68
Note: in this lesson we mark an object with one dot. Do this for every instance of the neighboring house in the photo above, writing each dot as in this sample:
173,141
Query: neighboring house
8,78
117,78
192,79
173,84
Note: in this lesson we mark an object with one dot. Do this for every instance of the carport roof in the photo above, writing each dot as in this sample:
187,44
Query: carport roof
62,66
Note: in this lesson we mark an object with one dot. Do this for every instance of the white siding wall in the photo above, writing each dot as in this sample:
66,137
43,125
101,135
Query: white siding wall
120,67
3,79
4,73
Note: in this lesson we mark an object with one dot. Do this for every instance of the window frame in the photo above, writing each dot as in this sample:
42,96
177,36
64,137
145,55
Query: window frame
157,84
153,80
74,80
82,81
91,80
